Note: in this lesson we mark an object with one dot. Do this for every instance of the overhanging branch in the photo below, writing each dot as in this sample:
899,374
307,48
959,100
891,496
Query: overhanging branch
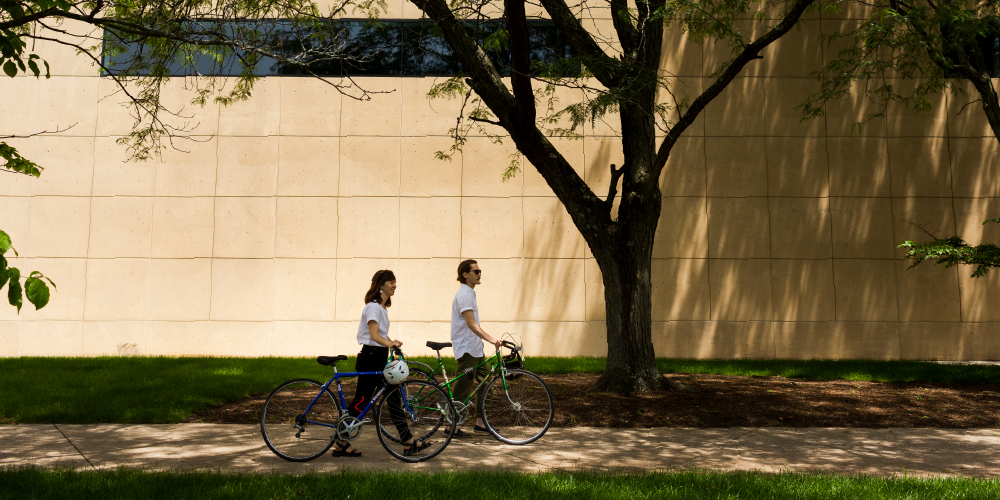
750,52
599,63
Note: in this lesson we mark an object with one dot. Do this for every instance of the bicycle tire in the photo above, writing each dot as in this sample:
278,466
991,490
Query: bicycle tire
420,375
278,420
425,419
519,414
422,369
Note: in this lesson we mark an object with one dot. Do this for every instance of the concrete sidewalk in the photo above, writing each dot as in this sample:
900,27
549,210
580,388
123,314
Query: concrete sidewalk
921,452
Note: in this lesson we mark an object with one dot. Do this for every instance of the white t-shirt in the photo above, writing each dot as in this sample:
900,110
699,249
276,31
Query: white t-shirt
373,311
463,340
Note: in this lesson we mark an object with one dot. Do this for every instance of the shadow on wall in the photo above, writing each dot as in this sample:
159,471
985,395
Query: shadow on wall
790,248
777,236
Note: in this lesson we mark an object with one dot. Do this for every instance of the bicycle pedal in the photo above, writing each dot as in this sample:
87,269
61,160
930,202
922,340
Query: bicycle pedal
366,421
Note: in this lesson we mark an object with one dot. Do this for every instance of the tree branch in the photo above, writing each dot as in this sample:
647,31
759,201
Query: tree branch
56,131
598,62
30,18
628,35
491,122
613,188
749,53
517,27
584,207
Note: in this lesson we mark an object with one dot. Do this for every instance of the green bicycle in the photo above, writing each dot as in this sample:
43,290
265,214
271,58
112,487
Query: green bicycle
515,404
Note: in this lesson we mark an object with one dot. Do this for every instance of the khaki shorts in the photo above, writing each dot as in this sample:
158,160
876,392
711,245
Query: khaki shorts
465,384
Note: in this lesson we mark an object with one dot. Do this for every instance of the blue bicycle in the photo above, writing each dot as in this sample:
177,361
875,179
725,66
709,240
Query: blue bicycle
302,418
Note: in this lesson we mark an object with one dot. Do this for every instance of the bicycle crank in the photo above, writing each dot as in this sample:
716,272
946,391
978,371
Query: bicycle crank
348,428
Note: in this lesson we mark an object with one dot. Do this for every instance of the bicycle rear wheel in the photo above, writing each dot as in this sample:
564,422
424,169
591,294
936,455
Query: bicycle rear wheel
519,414
419,411
293,434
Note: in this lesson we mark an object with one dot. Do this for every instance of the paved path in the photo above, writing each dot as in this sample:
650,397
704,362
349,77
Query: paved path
952,452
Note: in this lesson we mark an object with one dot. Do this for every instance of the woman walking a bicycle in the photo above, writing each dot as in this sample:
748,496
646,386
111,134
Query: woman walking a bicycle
373,335
467,337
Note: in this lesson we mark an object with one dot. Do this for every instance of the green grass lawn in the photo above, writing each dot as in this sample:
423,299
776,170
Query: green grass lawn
167,390
30,483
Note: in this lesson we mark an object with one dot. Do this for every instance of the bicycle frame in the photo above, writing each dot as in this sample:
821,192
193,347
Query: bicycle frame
495,359
343,402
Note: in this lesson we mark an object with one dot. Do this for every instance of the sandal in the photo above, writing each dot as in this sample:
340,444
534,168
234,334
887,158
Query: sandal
414,447
345,450
459,433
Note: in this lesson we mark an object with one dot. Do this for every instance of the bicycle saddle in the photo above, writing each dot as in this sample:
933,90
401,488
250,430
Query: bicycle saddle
437,346
330,360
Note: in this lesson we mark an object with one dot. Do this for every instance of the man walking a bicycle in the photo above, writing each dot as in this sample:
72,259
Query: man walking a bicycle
467,337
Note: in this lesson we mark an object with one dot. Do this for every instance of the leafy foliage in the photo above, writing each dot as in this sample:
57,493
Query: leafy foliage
138,45
216,45
954,250
933,44
14,162
705,21
34,287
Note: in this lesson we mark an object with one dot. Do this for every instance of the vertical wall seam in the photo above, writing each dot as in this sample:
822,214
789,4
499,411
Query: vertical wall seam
399,185
523,245
149,255
954,210
829,181
892,214
90,221
770,256
274,254
31,188
215,203
336,248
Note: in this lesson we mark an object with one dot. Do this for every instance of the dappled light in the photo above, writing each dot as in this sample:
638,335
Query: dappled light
238,448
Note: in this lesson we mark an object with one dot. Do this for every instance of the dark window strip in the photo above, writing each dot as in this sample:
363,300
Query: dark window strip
385,48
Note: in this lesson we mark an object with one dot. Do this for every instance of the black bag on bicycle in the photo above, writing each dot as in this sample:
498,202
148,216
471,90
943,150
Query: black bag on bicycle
513,361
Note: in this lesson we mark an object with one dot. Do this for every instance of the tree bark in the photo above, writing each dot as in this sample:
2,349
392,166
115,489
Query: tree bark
625,264
991,108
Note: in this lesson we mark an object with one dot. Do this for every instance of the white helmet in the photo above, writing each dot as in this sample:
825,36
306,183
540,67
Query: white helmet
396,371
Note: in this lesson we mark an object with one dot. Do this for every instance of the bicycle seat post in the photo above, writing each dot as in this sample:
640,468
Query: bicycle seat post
444,372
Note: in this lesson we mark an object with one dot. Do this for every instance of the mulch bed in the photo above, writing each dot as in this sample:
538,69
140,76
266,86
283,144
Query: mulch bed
735,401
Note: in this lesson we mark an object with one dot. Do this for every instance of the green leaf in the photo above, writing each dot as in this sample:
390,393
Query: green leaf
34,67
38,275
3,271
37,292
5,243
14,290
10,68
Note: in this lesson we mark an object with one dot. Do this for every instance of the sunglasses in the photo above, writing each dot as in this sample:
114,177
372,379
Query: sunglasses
478,271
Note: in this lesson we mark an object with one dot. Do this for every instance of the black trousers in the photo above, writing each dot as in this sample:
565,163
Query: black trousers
371,359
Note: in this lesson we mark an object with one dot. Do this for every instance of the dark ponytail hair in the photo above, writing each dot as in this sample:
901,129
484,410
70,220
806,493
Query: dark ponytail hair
377,281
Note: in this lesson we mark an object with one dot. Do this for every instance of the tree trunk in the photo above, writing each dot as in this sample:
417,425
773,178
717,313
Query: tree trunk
631,360
991,106
625,263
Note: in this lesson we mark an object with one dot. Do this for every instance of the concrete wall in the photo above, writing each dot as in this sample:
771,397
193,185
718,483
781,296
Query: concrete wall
777,237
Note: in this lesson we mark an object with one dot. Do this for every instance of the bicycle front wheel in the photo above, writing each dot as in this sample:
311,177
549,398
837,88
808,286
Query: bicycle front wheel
420,371
413,414
289,431
518,412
